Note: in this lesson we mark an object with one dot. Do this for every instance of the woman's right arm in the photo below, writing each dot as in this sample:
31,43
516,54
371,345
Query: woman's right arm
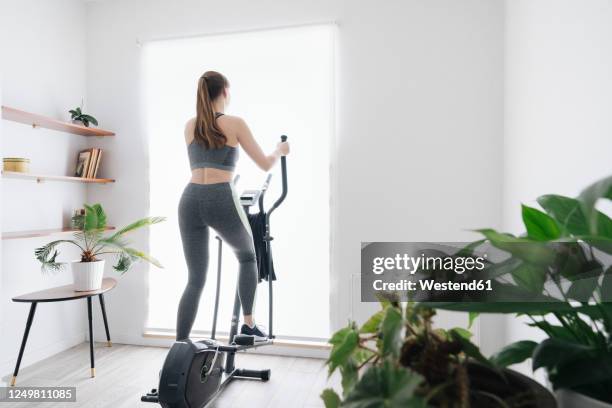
252,148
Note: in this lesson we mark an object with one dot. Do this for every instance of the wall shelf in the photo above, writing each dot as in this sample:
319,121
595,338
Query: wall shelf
41,178
40,233
36,120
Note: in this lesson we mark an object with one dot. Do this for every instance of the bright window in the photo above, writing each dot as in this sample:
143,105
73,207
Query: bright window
281,83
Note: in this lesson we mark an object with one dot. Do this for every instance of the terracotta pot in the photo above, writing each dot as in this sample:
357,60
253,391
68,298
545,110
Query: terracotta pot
87,276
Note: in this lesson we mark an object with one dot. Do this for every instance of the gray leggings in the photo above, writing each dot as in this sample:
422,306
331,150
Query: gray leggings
205,206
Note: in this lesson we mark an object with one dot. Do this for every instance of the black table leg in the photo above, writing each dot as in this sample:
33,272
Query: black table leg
91,340
23,342
103,307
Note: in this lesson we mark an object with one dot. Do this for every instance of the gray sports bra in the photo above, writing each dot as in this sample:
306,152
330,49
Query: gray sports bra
223,158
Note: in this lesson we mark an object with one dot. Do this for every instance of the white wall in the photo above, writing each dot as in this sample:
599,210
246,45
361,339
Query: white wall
419,121
43,51
1,155
558,95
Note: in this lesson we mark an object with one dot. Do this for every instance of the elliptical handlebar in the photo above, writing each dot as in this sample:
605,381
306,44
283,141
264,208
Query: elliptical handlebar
284,180
264,188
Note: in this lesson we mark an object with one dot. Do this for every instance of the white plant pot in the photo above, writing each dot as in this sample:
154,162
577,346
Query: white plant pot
571,399
87,276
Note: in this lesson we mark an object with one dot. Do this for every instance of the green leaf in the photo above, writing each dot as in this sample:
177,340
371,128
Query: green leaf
552,330
601,312
100,214
350,376
570,261
498,269
582,289
95,218
386,386
584,371
330,398
361,355
514,293
124,262
134,253
47,255
531,251
553,352
588,199
514,353
472,317
606,286
604,225
342,352
339,336
372,325
540,226
602,243
392,331
530,277
143,222
469,348
567,212
468,250
387,299
89,118
466,334
91,219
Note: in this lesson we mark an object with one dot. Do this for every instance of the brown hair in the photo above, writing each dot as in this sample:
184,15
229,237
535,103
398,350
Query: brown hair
210,86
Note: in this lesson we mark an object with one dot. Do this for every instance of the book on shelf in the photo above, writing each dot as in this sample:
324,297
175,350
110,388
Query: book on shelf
98,163
82,163
88,163
92,164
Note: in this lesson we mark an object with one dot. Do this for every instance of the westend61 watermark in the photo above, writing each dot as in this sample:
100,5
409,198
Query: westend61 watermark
481,272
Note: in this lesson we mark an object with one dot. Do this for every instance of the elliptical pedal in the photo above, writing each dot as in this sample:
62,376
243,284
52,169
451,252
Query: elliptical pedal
248,340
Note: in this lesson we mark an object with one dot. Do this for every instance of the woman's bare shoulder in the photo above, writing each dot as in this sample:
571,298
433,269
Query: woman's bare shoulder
233,125
190,124
231,120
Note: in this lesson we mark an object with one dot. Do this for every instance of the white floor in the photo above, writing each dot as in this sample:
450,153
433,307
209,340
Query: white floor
124,373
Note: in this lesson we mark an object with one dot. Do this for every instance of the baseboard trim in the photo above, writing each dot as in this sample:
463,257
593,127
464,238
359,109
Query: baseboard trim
281,347
309,344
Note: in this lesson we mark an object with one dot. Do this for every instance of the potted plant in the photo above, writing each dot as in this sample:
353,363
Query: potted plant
577,350
397,359
91,241
78,116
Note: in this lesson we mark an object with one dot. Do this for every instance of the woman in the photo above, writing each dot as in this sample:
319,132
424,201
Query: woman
209,200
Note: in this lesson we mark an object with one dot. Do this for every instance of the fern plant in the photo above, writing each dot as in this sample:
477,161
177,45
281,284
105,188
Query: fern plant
92,242
77,114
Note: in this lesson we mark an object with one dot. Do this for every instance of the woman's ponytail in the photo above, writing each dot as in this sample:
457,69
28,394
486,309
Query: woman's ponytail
210,86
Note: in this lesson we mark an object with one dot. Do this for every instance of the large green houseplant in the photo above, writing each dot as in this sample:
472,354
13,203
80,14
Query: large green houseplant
397,359
92,242
577,350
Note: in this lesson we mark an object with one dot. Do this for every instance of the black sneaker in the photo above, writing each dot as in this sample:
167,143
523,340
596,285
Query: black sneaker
257,331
